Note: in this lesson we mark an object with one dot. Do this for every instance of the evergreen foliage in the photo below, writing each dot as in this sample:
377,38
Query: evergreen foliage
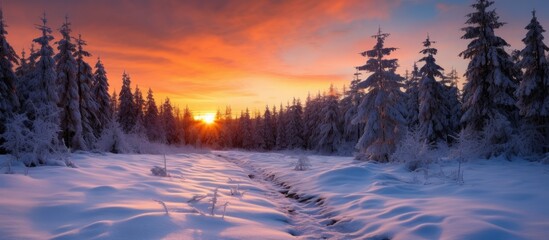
381,110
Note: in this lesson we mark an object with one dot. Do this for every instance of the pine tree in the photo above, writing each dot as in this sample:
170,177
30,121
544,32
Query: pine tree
88,104
168,122
488,101
100,92
294,129
281,124
268,132
433,109
330,133
69,95
139,105
411,85
311,120
226,133
452,96
245,125
381,109
533,91
150,119
352,132
114,104
41,106
9,103
126,109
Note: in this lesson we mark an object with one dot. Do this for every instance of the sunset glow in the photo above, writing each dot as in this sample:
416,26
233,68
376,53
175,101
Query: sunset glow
210,54
207,118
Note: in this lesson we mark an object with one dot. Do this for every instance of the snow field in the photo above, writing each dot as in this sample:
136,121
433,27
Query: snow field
112,197
498,199
115,197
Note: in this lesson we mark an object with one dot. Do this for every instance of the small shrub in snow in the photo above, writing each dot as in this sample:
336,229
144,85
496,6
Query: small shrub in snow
414,152
163,205
161,172
112,139
303,163
213,202
196,198
224,209
158,171
235,191
468,146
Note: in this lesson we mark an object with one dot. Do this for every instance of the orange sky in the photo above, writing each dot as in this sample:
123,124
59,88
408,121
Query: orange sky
208,54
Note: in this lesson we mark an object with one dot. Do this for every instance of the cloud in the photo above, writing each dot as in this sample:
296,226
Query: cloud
205,49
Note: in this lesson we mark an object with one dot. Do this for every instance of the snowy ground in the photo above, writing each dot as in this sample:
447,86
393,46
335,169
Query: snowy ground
113,197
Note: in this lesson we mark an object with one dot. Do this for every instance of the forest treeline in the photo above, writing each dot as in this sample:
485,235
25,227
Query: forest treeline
54,101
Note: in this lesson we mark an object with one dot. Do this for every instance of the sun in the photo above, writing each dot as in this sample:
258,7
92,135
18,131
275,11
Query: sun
207,118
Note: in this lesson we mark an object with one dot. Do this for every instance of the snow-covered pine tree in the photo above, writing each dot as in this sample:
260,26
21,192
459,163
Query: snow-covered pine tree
100,92
139,104
488,100
114,105
151,120
268,130
69,94
533,91
329,128
168,122
281,124
188,125
258,131
452,96
352,132
411,84
126,108
433,109
41,105
312,116
381,109
245,125
88,104
294,129
23,68
275,125
225,132
9,103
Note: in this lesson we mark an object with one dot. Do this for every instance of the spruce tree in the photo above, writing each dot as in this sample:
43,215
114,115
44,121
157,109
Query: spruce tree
9,102
533,91
139,105
245,125
381,110
150,120
433,109
411,85
126,108
114,105
68,90
488,100
268,130
88,104
100,91
352,132
452,96
168,122
294,129
41,106
281,125
329,128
